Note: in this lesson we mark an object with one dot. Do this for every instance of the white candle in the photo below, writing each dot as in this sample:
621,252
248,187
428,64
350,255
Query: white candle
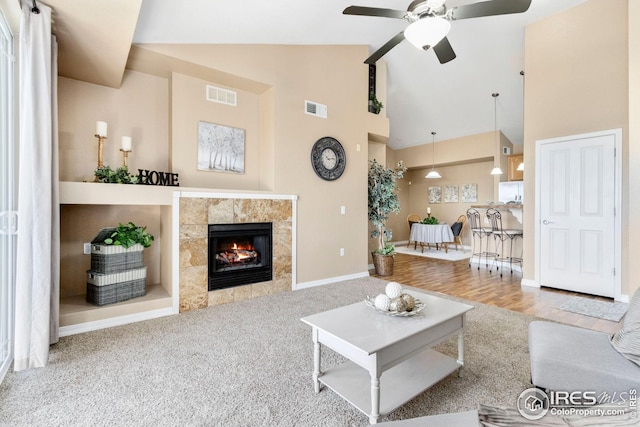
126,143
428,210
101,128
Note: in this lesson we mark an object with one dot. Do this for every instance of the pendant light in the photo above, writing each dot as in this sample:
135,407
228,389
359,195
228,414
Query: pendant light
433,173
520,167
496,169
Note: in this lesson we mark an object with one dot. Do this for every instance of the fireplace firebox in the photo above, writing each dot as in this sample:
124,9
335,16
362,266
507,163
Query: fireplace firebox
240,254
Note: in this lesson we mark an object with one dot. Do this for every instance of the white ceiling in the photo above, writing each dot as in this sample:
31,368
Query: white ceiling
453,99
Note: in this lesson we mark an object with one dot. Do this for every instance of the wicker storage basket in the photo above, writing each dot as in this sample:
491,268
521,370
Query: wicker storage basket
105,289
113,258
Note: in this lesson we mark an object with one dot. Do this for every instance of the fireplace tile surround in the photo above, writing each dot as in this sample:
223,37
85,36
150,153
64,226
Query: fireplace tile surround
199,210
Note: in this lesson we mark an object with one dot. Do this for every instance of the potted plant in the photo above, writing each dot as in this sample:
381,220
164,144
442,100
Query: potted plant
119,176
127,235
383,200
374,105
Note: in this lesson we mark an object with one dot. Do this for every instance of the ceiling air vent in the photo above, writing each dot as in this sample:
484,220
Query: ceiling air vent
315,109
222,96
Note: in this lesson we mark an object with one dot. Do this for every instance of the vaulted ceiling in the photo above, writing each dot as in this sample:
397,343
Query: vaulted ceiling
423,95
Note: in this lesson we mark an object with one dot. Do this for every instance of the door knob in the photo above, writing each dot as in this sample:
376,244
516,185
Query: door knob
545,222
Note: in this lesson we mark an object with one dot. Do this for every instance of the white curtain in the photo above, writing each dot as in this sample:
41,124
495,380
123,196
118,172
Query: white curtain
38,257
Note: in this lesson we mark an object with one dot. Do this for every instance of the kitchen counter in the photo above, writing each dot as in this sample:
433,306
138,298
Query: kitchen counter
499,206
514,208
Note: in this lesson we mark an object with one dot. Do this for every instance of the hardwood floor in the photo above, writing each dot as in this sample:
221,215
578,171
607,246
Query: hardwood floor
455,278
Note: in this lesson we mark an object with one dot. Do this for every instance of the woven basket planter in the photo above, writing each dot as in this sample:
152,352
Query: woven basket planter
105,289
383,264
113,259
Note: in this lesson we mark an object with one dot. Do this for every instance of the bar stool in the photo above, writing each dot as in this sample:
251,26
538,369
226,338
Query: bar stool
479,232
500,235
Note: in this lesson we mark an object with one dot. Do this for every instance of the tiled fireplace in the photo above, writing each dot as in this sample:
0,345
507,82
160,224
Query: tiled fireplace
197,212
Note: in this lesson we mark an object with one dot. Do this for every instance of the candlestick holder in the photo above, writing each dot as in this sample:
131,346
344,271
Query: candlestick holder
125,157
100,151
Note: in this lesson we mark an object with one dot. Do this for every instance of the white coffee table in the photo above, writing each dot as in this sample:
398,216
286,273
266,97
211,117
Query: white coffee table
390,358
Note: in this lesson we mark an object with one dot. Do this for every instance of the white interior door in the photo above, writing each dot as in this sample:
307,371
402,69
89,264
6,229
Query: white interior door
577,214
8,220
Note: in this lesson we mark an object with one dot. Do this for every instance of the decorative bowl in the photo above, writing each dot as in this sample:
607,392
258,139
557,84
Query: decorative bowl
419,306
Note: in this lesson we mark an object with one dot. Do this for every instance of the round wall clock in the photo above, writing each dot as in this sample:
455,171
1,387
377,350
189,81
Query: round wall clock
328,158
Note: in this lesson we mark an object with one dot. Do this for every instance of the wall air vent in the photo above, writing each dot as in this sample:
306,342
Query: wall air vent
222,96
315,109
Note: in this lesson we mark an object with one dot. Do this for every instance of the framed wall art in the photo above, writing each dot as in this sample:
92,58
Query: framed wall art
469,193
220,148
451,193
435,194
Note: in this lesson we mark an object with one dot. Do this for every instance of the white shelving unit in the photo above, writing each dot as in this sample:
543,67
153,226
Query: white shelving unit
76,315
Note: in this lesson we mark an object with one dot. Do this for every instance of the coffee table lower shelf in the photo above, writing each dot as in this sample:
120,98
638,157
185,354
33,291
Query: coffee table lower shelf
398,385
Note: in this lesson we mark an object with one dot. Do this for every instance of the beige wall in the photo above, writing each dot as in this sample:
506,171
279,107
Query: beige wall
417,190
139,109
631,196
189,107
577,81
159,111
466,149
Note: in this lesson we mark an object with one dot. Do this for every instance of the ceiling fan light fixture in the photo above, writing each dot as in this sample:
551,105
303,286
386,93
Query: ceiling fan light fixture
427,32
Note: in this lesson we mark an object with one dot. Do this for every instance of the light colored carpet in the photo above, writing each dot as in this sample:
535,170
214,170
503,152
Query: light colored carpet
452,255
245,364
594,308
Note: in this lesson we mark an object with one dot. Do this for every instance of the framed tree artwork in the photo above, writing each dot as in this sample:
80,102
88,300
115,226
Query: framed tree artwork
469,193
220,148
451,193
435,194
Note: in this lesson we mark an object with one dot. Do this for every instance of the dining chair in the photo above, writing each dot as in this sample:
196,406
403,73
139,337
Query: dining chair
412,219
457,228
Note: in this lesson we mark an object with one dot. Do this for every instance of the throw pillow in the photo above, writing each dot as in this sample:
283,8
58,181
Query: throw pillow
627,339
456,228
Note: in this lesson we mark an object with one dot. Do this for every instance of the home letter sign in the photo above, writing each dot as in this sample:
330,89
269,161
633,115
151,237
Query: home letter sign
158,178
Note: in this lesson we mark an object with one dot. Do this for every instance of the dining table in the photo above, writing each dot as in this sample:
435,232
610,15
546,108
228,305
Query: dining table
437,234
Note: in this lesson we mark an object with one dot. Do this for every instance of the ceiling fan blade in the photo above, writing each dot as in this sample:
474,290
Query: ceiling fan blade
490,8
374,11
444,51
385,48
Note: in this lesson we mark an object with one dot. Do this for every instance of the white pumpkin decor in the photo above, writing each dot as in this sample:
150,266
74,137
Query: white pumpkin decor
382,302
393,290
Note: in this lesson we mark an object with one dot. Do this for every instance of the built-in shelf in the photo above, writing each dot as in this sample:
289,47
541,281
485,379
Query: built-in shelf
94,199
75,309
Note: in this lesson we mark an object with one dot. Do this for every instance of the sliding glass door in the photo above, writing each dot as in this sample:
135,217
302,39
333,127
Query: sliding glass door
8,190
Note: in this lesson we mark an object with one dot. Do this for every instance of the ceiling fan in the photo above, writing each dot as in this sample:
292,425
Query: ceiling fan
429,22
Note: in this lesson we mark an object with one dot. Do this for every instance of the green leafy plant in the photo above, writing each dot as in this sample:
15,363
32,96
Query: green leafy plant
383,200
430,220
119,176
127,235
376,105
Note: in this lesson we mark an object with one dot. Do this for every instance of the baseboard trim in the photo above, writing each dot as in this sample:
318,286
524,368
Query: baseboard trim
328,281
114,321
530,283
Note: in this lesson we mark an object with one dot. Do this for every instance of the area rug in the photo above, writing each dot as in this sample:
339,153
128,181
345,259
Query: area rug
600,309
452,255
247,363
